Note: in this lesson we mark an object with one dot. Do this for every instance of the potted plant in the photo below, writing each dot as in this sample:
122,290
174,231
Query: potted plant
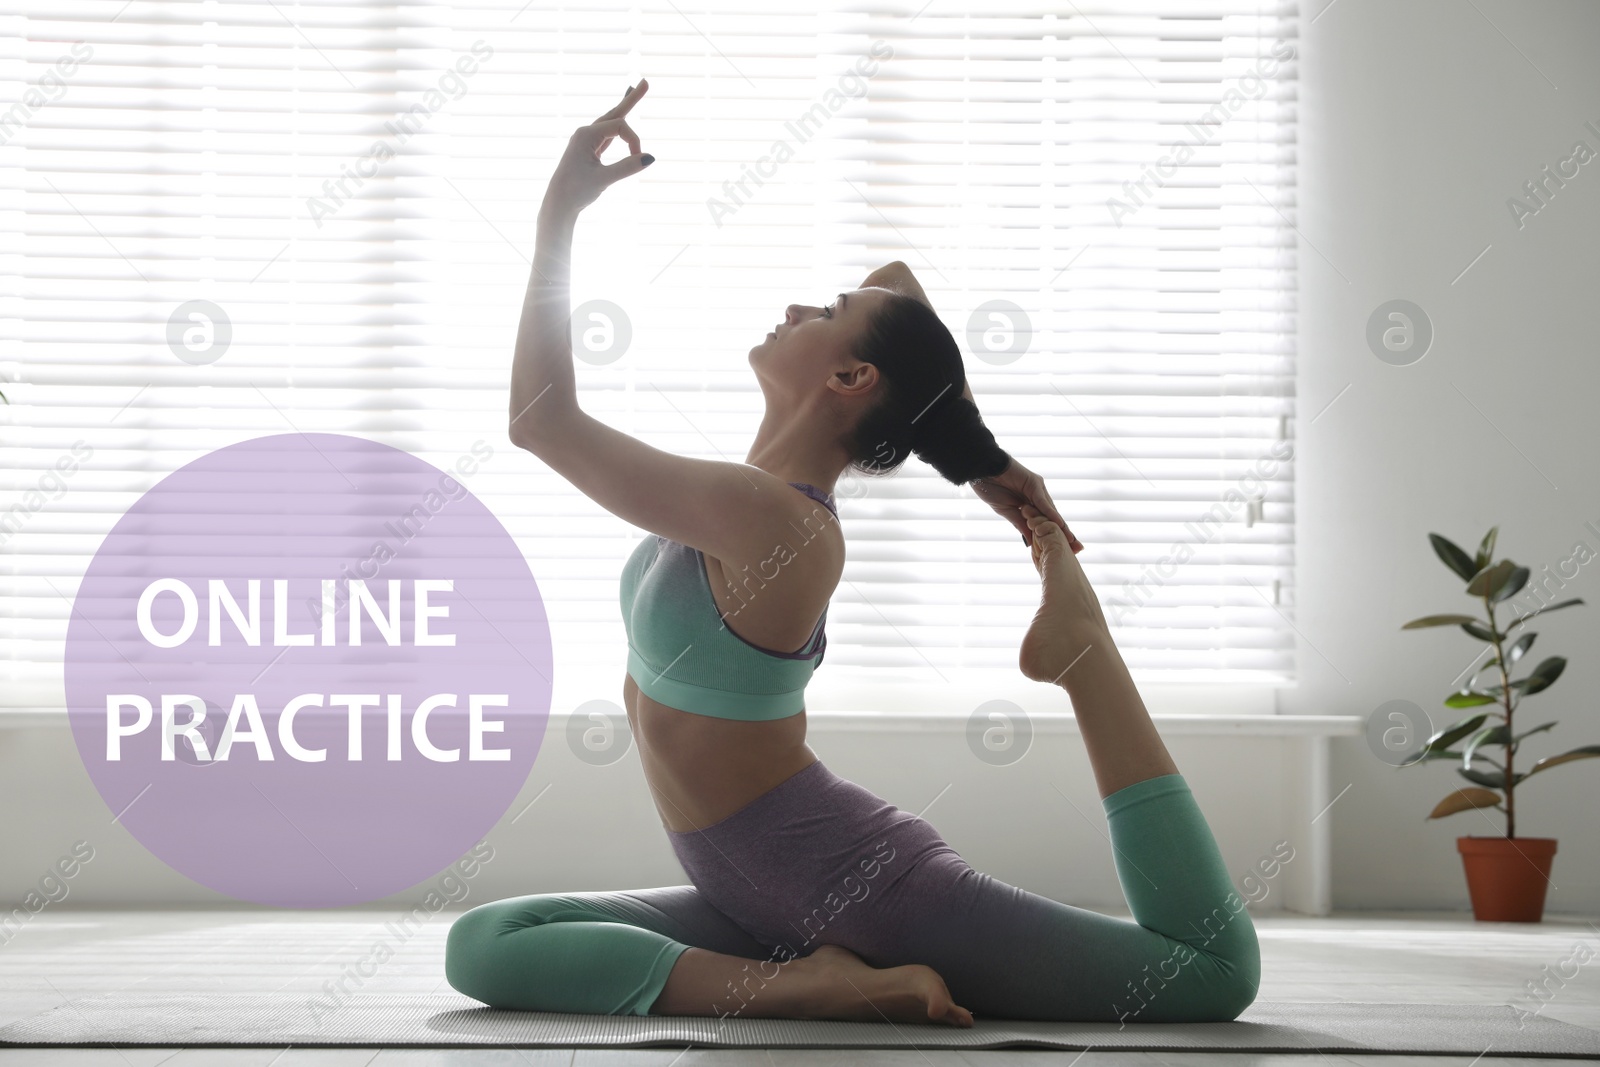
1506,876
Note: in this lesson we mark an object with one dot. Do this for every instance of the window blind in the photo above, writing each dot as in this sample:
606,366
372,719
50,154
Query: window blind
354,186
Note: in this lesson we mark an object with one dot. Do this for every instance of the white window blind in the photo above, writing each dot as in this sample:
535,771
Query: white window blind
361,208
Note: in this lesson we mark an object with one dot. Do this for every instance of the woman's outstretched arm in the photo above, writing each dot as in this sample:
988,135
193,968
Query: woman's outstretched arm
541,369
730,511
541,372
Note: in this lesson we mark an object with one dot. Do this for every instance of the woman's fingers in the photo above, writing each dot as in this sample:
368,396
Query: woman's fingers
629,98
1039,503
580,177
1039,497
1048,508
1014,517
611,128
1033,516
632,163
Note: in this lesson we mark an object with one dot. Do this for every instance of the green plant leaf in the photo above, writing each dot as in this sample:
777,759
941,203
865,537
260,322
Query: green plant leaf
1438,620
1465,800
1478,630
1489,735
1537,729
1451,734
1512,585
1492,779
1486,581
1586,752
1453,557
1520,648
1535,614
1543,676
1468,700
1486,548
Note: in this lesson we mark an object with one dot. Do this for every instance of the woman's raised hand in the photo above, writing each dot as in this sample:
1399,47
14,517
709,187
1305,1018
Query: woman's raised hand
580,177
1015,486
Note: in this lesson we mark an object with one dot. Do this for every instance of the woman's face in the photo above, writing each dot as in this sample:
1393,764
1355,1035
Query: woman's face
813,343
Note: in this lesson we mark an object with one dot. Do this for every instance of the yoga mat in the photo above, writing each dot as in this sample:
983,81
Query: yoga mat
450,1020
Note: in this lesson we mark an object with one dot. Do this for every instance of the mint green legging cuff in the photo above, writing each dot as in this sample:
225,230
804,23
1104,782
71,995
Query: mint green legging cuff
560,955
1175,882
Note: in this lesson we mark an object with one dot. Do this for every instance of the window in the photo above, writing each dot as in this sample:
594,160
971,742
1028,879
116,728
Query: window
354,185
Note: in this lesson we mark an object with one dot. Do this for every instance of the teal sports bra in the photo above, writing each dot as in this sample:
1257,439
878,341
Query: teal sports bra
682,654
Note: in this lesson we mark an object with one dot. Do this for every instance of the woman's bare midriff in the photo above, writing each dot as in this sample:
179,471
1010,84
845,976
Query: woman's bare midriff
702,769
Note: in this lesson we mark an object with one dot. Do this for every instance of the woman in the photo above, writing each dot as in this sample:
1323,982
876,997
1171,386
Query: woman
813,898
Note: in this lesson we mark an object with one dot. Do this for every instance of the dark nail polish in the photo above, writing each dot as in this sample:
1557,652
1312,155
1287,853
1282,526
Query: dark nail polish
647,159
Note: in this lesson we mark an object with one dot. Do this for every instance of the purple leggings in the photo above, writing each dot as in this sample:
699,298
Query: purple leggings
821,860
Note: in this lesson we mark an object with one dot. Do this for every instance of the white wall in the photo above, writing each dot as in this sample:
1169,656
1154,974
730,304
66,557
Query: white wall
1419,121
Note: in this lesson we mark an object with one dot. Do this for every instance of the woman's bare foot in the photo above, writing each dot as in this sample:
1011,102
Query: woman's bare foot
835,983
1069,619
1069,644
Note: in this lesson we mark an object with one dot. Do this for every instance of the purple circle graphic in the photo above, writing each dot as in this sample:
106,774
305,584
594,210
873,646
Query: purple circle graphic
368,634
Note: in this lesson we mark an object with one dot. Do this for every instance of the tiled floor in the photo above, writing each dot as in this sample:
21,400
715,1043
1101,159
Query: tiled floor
1370,956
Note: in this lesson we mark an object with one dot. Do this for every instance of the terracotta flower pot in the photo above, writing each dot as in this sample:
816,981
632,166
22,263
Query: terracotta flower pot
1507,876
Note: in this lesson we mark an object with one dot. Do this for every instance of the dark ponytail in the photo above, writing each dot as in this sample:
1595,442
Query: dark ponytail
923,409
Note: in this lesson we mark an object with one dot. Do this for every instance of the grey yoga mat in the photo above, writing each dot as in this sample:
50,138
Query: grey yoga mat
450,1020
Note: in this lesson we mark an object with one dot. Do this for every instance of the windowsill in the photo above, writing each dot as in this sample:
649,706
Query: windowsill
958,693
1174,724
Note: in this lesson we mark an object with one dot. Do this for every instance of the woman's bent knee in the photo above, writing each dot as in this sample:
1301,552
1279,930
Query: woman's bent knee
1237,994
1225,982
1236,986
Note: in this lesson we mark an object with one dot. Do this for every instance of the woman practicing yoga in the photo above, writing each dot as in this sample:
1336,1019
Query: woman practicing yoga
812,897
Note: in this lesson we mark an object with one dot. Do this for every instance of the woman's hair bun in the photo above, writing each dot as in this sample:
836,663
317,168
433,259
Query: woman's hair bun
923,410
951,438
